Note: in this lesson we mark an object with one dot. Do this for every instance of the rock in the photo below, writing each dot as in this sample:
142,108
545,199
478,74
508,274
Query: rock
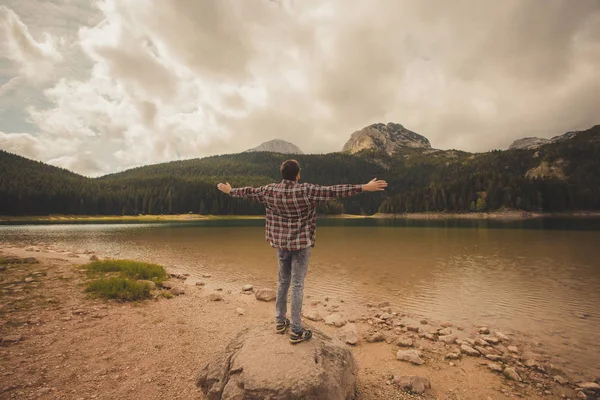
482,350
513,349
178,291
240,311
491,339
404,343
206,276
534,365
258,364
248,288
483,330
470,342
151,285
12,338
383,304
597,380
424,322
215,297
494,357
336,320
28,279
480,342
412,356
511,374
448,339
561,380
495,367
446,324
501,336
265,294
179,276
581,395
413,328
412,383
30,248
386,316
200,283
445,332
388,138
589,386
376,338
425,335
168,284
348,334
453,356
468,350
313,315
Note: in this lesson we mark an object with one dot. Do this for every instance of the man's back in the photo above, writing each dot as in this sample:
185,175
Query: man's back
291,209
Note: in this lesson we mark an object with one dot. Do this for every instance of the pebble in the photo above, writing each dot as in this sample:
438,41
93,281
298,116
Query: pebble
445,332
412,383
265,294
446,324
376,337
240,311
215,297
412,356
200,283
513,349
336,320
494,357
453,356
511,374
448,339
28,279
491,339
206,276
424,322
247,288
413,328
495,367
482,350
589,386
484,330
168,284
404,343
561,380
581,395
313,315
349,335
178,291
468,350
501,336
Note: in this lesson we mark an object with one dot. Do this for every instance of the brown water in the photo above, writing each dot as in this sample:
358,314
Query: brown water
541,283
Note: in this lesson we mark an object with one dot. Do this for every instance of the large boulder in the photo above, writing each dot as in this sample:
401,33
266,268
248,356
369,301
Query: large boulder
260,364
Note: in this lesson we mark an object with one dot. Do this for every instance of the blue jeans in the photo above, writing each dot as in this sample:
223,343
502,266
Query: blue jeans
292,269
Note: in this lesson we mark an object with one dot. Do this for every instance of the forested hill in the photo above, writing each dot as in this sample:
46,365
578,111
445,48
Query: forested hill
561,176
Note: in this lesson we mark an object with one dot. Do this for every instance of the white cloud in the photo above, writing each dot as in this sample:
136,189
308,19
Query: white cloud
35,58
144,82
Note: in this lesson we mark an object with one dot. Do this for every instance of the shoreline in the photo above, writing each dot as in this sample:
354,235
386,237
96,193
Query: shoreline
155,348
497,215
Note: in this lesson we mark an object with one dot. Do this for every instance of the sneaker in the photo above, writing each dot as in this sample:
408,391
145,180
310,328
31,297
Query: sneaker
297,337
282,326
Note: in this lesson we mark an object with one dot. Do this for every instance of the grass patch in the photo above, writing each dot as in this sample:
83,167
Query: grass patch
117,279
119,288
128,269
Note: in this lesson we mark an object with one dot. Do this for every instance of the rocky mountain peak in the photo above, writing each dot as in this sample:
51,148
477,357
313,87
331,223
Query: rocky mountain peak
277,146
385,137
528,143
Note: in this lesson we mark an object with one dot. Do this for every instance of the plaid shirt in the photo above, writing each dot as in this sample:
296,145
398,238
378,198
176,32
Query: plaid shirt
292,209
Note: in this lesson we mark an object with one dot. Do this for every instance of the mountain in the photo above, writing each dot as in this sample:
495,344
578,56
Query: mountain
563,175
385,138
277,146
531,143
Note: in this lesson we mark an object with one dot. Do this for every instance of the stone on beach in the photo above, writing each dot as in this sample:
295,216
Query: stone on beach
215,297
412,383
511,374
335,319
412,356
348,334
252,367
265,294
468,350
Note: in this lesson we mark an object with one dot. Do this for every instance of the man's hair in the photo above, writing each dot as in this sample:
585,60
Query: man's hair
289,169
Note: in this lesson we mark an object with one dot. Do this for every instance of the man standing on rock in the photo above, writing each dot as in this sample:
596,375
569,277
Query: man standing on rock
291,209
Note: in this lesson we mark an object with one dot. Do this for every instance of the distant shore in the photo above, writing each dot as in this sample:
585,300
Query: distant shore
496,215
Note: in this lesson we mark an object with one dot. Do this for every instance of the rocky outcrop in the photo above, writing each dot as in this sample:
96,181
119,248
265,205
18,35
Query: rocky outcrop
548,170
259,364
528,143
387,138
277,146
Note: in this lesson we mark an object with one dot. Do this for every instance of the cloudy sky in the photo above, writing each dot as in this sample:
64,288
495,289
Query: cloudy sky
101,86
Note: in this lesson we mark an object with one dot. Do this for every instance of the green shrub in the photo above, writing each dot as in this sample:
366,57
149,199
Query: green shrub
128,269
118,288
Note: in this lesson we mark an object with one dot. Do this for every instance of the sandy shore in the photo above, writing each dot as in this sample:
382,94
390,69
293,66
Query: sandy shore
71,347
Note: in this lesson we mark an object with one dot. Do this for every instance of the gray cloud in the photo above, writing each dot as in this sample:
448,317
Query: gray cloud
183,78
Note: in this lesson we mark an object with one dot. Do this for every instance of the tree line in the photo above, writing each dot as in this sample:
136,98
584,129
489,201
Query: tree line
419,181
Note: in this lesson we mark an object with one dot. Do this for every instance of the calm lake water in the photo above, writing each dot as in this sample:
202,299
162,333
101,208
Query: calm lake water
539,278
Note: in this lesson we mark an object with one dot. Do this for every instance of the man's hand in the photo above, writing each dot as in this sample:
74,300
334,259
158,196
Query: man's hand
224,187
374,186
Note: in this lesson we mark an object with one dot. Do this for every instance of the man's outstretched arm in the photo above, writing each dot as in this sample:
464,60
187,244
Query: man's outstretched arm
317,192
246,192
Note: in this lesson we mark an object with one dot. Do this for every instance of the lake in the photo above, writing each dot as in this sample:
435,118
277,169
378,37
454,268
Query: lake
540,278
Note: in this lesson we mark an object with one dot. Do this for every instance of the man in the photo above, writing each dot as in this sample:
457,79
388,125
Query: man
290,228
